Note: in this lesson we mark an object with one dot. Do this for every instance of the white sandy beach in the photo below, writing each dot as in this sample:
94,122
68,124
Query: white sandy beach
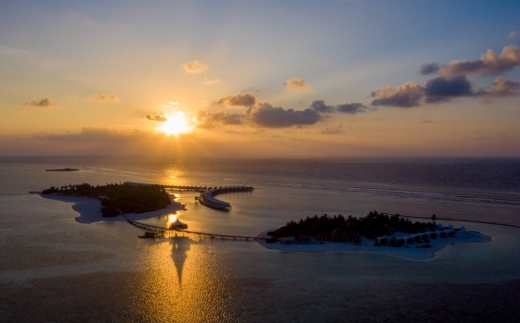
367,245
90,209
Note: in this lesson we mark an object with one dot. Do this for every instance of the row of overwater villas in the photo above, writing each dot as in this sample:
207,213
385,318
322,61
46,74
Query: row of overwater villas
440,231
197,188
208,198
336,235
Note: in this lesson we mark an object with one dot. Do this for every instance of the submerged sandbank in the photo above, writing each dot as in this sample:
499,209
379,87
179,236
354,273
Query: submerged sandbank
367,245
89,209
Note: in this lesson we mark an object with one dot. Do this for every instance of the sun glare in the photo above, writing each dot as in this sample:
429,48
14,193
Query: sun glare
176,124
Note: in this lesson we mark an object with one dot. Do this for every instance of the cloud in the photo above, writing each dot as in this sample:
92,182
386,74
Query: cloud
351,108
320,106
295,83
238,100
43,103
213,80
488,64
333,130
207,120
105,97
503,88
430,68
405,96
250,89
171,104
265,115
500,88
102,135
442,88
427,122
194,66
511,35
156,118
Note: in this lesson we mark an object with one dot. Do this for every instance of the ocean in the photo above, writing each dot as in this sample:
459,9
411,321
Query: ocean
56,269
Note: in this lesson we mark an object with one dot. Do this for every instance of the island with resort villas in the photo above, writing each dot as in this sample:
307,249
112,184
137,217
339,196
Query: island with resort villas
376,232
381,233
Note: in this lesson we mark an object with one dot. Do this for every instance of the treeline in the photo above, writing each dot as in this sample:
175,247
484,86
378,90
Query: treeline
371,226
118,198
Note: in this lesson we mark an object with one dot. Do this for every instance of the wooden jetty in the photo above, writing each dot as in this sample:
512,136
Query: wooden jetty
161,230
207,193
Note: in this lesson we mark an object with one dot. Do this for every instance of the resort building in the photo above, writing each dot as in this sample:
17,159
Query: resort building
178,225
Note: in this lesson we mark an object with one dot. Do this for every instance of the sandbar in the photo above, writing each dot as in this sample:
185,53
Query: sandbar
89,209
367,246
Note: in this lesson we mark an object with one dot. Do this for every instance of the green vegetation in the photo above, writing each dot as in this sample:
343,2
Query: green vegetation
371,226
118,198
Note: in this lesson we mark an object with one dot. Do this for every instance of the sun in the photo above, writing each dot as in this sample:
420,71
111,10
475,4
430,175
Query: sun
176,124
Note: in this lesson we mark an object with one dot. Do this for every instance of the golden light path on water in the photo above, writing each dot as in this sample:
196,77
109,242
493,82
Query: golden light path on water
194,289
184,280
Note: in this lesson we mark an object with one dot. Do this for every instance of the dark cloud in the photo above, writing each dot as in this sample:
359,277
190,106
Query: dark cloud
441,88
238,100
431,68
503,88
265,115
351,108
43,103
427,122
156,118
488,64
208,120
405,96
320,106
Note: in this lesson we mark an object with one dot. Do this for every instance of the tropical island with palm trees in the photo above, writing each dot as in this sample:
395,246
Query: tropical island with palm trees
118,199
376,232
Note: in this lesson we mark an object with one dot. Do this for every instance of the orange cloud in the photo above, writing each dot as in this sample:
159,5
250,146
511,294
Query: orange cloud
296,83
194,66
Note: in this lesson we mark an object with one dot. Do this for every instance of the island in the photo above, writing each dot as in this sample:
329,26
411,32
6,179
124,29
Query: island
63,170
382,233
117,199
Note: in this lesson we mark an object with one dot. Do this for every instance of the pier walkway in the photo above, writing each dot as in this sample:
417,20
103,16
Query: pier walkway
162,230
207,193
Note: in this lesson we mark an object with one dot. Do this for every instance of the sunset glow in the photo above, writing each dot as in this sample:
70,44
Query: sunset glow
354,86
176,125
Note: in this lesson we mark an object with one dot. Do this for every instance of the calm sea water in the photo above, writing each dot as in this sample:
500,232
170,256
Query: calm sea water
56,269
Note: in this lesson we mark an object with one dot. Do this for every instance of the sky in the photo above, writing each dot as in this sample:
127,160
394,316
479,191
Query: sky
270,78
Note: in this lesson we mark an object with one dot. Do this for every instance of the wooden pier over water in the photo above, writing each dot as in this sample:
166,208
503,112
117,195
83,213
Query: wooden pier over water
162,230
207,193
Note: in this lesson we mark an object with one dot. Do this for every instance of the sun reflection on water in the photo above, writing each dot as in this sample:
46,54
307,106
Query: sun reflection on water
186,281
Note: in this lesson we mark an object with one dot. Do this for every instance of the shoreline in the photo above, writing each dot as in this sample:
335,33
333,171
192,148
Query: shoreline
89,209
367,246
